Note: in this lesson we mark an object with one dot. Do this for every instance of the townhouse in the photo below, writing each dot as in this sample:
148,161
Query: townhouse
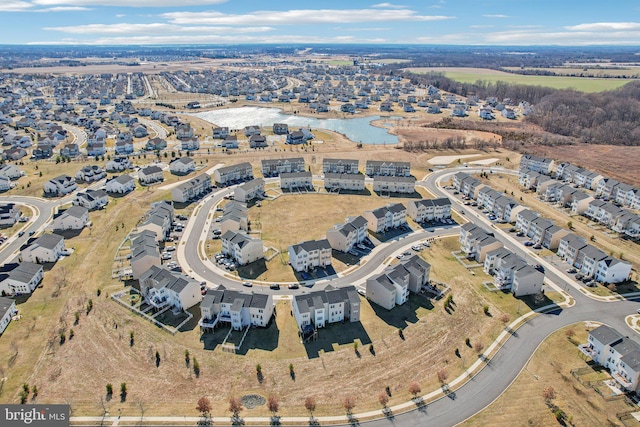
606,188
318,308
339,166
617,353
429,209
475,242
580,202
381,167
587,261
46,248
528,178
274,167
60,186
242,248
343,237
537,228
192,189
158,219
344,181
162,288
248,191
587,179
524,219
394,184
569,247
22,278
308,255
239,309
566,171
537,164
506,209
546,186
234,217
387,217
296,181
392,287
231,174
144,252
552,236
512,273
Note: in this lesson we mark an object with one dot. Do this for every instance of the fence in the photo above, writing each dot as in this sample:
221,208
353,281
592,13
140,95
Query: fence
116,297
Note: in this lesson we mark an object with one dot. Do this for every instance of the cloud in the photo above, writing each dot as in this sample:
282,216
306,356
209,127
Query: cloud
496,16
156,28
481,26
24,6
389,6
564,38
129,3
605,26
303,16
227,39
359,29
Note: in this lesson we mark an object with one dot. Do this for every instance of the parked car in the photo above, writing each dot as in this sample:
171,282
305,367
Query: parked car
293,286
247,284
528,243
274,286
170,248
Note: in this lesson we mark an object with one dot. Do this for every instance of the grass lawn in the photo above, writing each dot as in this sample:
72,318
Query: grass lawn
582,84
551,365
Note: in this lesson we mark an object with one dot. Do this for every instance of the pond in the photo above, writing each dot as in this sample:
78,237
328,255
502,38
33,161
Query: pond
356,129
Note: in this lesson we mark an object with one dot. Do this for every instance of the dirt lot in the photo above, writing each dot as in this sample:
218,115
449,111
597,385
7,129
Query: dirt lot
614,161
551,365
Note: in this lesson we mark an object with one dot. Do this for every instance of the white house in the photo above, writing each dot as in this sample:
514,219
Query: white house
476,242
308,255
60,185
537,164
46,248
122,184
150,174
74,218
10,171
91,199
90,174
118,164
182,166
242,248
612,270
394,184
162,288
144,252
382,167
274,167
9,214
318,308
7,311
342,237
340,166
158,219
22,278
617,353
240,309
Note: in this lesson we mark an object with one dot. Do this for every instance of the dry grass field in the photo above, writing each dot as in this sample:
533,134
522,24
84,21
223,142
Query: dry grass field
615,161
523,402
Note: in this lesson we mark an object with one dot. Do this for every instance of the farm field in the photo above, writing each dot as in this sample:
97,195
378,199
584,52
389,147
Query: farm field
472,75
633,72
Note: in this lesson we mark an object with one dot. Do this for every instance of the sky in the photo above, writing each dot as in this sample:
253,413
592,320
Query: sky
228,22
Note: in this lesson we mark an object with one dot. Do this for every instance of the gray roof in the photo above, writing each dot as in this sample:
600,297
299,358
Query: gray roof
605,335
49,241
311,245
24,272
5,305
528,215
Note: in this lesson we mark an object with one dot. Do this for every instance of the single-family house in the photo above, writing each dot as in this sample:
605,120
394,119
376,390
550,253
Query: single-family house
9,214
7,311
89,174
22,278
60,185
150,174
122,184
46,248
91,199
118,164
74,218
182,166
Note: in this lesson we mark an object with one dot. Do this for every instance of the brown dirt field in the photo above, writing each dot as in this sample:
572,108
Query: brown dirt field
619,162
551,365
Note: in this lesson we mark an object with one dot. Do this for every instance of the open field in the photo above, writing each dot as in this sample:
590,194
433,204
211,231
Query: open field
551,365
472,75
626,72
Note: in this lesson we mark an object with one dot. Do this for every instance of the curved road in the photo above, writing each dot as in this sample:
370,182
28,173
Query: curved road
503,368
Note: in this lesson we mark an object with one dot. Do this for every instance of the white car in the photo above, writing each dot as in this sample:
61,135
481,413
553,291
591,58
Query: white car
170,248
166,255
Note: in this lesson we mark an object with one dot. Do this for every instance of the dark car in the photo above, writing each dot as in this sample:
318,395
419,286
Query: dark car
293,286
274,286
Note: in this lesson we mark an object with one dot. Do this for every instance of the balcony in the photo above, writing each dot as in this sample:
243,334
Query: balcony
588,351
625,383
158,302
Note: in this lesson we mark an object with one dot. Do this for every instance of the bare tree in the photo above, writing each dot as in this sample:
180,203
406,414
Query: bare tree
310,404
383,398
549,394
235,406
505,318
478,347
204,407
349,403
273,404
442,375
414,388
